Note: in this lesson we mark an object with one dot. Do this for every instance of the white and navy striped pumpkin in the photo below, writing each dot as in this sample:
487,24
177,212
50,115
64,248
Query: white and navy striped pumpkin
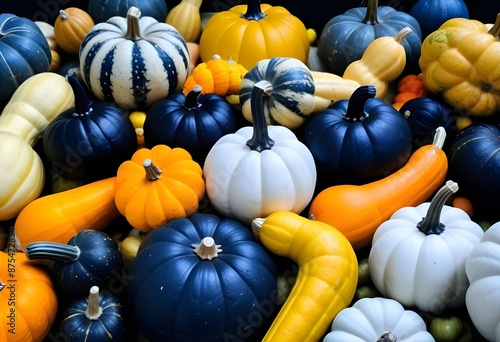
292,99
133,61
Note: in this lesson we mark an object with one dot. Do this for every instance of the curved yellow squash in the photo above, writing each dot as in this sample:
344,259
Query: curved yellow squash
326,280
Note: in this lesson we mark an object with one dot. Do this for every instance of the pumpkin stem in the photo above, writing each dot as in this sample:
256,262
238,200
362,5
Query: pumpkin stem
93,311
82,103
53,251
431,224
387,337
439,137
191,100
63,15
402,34
207,249
495,29
253,11
133,30
355,108
260,140
153,172
257,227
371,17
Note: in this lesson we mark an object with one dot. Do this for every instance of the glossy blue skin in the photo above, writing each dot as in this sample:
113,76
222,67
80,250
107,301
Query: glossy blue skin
76,327
430,14
474,163
102,10
361,150
177,296
24,52
99,258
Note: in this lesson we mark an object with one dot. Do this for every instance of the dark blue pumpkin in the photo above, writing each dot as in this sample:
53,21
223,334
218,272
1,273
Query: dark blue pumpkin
474,163
102,10
94,136
431,14
425,115
359,139
24,52
346,36
89,258
176,295
194,122
98,318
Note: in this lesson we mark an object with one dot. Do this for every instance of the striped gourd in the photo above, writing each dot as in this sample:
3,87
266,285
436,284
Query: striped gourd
292,99
133,61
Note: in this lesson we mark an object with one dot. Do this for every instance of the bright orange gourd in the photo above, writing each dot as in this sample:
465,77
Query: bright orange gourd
358,210
60,216
28,300
158,185
409,87
71,27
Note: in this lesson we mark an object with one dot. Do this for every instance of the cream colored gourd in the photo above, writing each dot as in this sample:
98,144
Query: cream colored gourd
186,18
382,62
330,88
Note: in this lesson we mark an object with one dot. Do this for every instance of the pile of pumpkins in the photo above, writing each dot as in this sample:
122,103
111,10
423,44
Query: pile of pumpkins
161,184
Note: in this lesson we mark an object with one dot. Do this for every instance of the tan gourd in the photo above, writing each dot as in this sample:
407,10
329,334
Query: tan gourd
186,18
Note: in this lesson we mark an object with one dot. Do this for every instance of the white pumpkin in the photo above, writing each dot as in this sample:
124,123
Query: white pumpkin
418,255
133,61
483,295
259,170
378,319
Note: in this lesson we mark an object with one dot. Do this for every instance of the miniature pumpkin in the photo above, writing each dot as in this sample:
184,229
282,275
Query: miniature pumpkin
158,185
88,258
417,257
133,61
70,28
201,278
194,122
28,300
250,33
239,169
409,87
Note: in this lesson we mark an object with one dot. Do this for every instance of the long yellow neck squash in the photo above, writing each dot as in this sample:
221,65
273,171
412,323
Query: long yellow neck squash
326,280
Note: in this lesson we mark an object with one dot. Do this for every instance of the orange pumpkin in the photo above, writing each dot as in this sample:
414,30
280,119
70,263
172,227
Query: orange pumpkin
28,300
158,185
409,87
71,27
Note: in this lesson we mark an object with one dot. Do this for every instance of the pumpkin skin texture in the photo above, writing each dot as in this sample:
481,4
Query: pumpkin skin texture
483,271
474,158
93,136
418,256
71,27
35,306
99,318
158,185
359,139
133,61
369,318
89,258
459,62
194,122
250,33
346,36
25,52
102,10
241,168
177,295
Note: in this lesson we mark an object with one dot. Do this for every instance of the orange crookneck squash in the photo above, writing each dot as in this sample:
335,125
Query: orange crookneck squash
250,33
158,185
358,210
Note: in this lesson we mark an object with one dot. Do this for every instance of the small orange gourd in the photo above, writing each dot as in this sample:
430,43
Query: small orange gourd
158,185
60,216
358,210
71,27
409,87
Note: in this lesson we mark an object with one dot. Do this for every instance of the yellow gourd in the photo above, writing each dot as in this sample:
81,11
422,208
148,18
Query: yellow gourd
326,280
186,18
330,88
382,62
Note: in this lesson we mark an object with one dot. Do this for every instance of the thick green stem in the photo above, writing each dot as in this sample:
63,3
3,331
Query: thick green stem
133,30
83,106
260,140
52,251
356,106
431,223
495,29
94,310
191,100
253,11
371,17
